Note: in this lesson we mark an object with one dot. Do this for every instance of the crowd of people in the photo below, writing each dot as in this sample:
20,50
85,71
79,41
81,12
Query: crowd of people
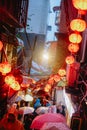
13,120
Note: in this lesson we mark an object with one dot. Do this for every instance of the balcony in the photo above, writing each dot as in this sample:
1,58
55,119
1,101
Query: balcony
14,12
57,10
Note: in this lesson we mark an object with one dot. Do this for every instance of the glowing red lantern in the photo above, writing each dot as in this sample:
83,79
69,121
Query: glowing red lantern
56,78
5,68
62,72
78,25
1,45
15,86
80,4
75,38
70,59
47,88
25,85
51,80
73,48
10,79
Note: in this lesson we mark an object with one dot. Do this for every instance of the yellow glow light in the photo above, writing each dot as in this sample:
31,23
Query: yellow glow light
46,56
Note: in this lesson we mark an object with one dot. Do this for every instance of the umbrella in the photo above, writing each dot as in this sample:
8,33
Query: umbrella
25,110
39,121
55,126
28,98
19,98
42,110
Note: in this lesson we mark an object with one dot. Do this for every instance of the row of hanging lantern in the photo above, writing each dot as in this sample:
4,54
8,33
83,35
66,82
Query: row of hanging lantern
13,82
9,78
55,78
77,25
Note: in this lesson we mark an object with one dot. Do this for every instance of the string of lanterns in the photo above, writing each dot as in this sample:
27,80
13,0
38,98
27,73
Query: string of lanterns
14,80
10,76
77,26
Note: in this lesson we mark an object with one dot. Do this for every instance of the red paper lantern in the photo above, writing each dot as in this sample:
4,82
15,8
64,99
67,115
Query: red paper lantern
73,48
51,81
80,4
47,88
56,78
62,72
5,68
1,45
15,86
10,79
75,38
78,25
25,85
70,59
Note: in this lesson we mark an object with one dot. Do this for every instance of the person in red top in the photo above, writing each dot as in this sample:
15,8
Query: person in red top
10,121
